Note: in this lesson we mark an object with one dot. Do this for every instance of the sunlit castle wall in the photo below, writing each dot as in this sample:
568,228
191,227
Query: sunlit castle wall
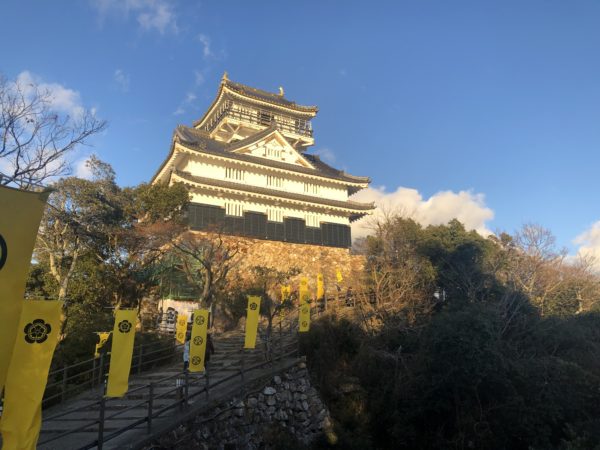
249,174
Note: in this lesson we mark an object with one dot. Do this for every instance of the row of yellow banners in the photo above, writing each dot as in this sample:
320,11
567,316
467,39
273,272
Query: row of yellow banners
30,328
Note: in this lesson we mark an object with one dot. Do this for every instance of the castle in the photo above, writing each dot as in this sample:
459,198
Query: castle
249,172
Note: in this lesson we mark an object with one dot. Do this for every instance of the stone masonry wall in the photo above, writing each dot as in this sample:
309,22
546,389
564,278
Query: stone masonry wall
310,259
287,407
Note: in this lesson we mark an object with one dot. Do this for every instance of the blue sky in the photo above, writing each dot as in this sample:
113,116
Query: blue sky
486,110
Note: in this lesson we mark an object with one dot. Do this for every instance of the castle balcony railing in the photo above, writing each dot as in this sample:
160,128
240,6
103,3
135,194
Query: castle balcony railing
259,117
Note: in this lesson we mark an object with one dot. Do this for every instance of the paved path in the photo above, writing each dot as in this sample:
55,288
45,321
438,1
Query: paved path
60,423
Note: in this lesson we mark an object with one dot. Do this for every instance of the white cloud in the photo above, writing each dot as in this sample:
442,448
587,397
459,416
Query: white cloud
326,154
205,41
122,79
589,244
198,78
187,101
151,15
62,99
82,170
466,206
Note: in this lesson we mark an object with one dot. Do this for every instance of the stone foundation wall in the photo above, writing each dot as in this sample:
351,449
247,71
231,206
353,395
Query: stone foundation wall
310,259
287,408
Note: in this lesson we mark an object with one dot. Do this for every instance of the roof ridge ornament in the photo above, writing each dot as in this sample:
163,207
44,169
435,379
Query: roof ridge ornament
281,91
225,78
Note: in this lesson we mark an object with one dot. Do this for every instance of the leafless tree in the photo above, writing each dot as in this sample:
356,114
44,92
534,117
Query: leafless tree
537,268
207,260
35,139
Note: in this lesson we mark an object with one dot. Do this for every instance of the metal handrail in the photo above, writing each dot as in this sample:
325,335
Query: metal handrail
189,381
92,375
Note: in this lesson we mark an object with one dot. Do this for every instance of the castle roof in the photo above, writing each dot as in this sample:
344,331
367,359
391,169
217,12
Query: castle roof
199,141
239,91
271,97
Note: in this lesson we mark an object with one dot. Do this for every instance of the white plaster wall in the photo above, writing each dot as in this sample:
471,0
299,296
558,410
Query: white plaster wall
204,167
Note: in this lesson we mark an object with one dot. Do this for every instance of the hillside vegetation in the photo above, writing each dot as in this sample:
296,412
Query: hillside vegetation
472,343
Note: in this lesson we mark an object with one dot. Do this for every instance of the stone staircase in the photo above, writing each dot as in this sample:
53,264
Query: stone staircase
165,394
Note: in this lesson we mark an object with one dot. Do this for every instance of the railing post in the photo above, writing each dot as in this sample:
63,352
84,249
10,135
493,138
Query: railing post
101,423
280,343
242,374
93,373
186,378
150,404
140,356
101,371
64,384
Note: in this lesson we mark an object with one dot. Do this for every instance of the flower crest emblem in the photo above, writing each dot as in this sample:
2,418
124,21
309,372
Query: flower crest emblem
37,331
304,323
200,320
253,306
304,310
196,360
198,340
125,326
180,336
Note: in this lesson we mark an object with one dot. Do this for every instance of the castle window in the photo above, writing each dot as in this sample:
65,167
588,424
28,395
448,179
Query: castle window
234,209
312,220
311,188
232,173
274,215
274,181
265,117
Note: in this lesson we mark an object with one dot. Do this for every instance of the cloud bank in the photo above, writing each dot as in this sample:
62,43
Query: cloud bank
62,99
466,206
589,244
151,15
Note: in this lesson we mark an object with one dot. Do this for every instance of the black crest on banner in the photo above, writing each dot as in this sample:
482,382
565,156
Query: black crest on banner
125,326
37,331
3,252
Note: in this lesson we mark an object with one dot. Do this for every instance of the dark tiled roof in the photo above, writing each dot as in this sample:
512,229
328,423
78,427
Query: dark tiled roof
356,206
200,141
265,96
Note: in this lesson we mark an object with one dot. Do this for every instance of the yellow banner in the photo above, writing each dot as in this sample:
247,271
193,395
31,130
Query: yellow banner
304,317
121,352
39,328
338,275
102,338
252,321
19,222
181,328
320,286
198,340
303,290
